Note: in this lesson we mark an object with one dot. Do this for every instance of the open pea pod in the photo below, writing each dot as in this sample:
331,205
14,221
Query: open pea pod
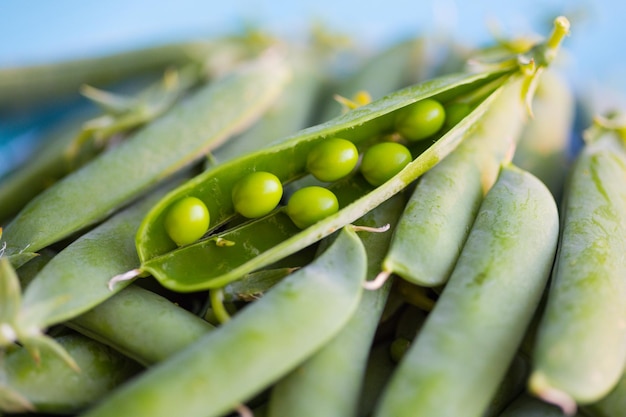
238,249
287,160
161,257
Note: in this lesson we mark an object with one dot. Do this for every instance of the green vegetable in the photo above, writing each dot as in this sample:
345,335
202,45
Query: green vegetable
478,322
329,382
384,160
73,281
172,142
309,205
245,355
443,206
580,349
257,194
50,386
142,325
420,120
187,220
332,159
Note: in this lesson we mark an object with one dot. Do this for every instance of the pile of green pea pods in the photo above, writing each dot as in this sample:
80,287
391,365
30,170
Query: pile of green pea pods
253,235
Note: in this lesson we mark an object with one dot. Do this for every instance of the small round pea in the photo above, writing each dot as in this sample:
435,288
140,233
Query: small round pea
311,204
384,160
456,112
420,120
257,194
187,220
332,159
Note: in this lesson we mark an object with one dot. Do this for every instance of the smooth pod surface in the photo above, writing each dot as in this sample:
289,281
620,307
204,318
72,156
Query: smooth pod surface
443,206
462,352
242,357
580,349
167,145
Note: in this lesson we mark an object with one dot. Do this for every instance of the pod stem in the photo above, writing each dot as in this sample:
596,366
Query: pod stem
244,411
126,276
378,281
217,304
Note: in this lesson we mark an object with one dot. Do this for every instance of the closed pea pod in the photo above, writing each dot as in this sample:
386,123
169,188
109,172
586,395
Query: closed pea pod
442,208
224,366
292,111
152,154
52,387
329,383
580,349
75,279
479,320
165,328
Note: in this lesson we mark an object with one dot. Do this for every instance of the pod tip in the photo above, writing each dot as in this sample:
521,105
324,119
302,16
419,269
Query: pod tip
539,386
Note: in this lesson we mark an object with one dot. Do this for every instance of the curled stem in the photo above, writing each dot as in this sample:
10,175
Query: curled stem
217,304
378,281
126,276
381,229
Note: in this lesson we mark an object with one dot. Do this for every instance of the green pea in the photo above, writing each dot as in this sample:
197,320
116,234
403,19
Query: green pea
187,220
256,194
455,112
311,204
332,159
421,120
384,160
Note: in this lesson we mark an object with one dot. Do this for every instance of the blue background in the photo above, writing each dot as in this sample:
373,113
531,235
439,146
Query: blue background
41,31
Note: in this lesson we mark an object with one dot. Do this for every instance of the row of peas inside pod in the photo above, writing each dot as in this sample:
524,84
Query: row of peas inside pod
259,273
258,193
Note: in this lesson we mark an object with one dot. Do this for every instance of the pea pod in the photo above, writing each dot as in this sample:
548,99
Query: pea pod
329,383
244,356
292,111
74,280
51,387
285,160
478,322
580,347
442,208
611,405
163,327
83,137
32,85
164,147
